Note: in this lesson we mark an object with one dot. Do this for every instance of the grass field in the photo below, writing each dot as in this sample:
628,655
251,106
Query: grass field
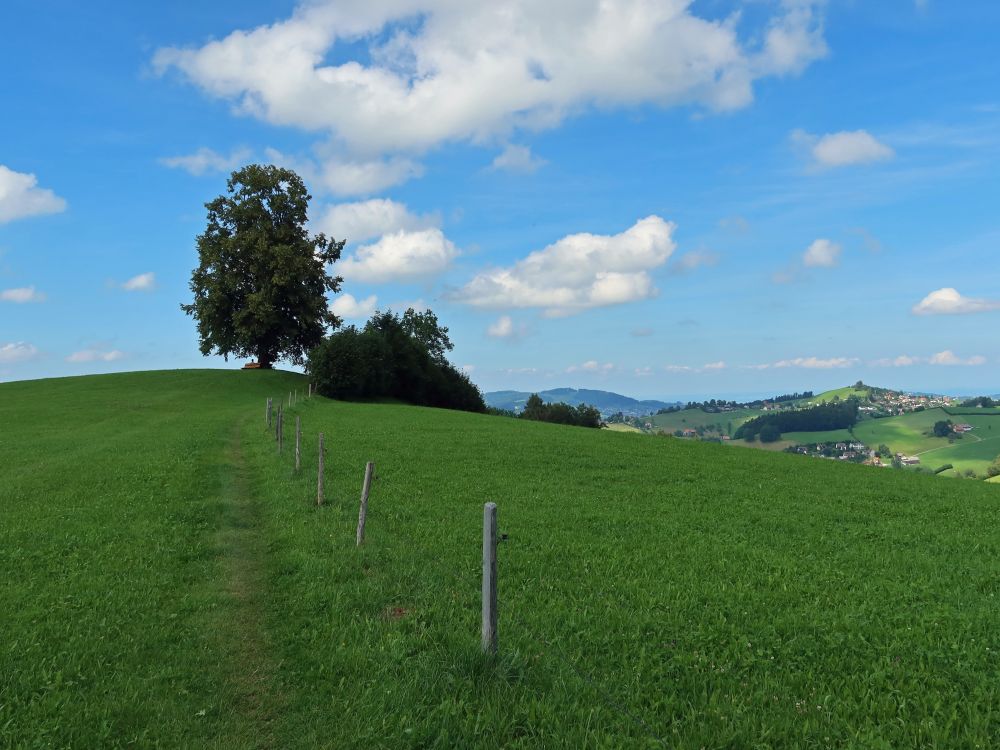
830,436
840,393
169,581
695,418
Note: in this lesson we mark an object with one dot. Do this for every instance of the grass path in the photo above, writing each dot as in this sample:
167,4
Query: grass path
243,581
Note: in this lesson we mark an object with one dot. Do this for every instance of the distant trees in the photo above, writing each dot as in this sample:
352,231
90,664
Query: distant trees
261,283
836,415
994,468
942,428
561,413
984,401
393,357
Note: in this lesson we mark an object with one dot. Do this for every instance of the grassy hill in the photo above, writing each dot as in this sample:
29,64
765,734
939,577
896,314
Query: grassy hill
168,580
912,434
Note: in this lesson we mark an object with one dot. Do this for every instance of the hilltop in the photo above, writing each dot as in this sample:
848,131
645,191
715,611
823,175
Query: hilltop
169,580
606,402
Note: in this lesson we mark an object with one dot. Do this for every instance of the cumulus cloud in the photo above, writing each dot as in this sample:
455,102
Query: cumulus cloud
206,161
844,148
948,301
17,352
477,70
332,170
578,272
95,355
346,306
815,363
21,197
903,360
709,367
694,260
821,254
400,256
144,282
950,359
501,328
21,295
592,366
364,220
518,159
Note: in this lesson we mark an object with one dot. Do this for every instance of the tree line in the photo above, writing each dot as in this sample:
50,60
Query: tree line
837,415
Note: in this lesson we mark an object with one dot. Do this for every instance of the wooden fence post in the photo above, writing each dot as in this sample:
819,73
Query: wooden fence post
267,413
363,512
319,477
298,444
281,430
490,578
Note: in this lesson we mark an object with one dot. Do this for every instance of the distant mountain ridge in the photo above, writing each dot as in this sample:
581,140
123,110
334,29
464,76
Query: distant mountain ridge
606,402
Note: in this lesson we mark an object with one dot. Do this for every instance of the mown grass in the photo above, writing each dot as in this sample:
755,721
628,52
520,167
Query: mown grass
648,588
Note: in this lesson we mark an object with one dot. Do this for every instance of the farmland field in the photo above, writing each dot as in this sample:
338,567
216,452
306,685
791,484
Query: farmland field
170,581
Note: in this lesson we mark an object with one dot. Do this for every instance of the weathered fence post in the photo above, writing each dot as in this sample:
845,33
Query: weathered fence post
281,430
363,512
277,422
289,399
298,444
490,578
267,413
319,477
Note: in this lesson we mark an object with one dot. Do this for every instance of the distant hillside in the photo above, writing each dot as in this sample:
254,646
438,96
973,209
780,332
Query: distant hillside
606,402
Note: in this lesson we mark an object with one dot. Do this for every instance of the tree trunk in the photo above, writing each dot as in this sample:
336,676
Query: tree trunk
265,360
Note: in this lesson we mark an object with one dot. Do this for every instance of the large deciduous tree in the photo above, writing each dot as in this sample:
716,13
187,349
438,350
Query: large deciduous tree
261,282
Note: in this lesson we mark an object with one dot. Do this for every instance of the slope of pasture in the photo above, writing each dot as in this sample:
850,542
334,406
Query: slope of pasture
839,393
651,591
910,434
695,418
118,622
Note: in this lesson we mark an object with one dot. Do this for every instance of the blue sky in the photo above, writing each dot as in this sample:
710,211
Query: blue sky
665,199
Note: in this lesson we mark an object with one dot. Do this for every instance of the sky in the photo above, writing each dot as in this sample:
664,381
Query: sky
667,199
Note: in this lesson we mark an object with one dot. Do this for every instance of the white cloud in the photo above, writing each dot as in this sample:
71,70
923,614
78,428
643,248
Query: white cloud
400,256
346,306
693,260
206,161
949,358
21,295
708,367
643,372
95,355
468,369
844,148
903,360
477,70
357,222
815,363
822,254
518,159
501,328
333,171
144,282
578,272
21,197
948,301
592,366
17,352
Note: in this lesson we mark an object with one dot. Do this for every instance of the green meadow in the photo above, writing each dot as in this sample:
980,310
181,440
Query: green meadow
170,581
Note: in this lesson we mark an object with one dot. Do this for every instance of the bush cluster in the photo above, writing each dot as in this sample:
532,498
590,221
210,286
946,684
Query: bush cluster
560,413
392,357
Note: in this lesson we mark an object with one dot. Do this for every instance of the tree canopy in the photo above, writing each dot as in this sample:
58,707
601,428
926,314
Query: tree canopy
261,283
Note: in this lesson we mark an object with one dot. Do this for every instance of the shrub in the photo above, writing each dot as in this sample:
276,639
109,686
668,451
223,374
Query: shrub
393,358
